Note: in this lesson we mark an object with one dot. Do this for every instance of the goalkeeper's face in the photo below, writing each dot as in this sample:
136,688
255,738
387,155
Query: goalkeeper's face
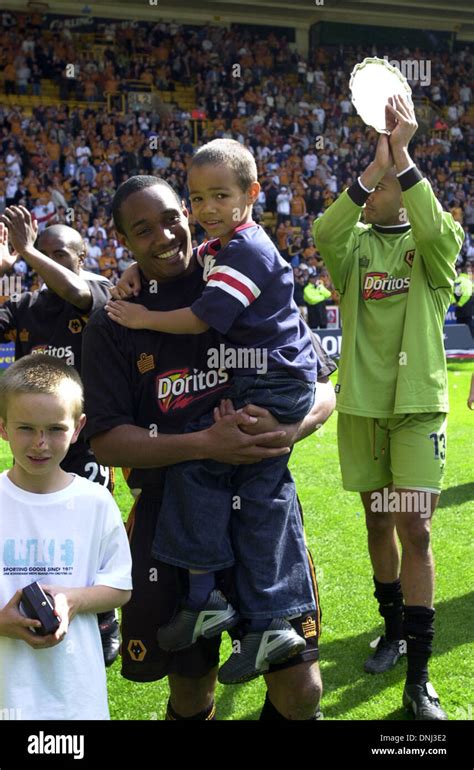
156,231
384,205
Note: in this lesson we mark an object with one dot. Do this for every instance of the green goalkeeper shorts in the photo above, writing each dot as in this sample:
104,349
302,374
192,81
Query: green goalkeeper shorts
407,450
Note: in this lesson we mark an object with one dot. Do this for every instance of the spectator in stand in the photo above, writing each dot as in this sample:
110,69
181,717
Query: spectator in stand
56,193
43,211
283,202
92,264
124,261
315,295
70,167
107,262
295,250
35,80
93,255
283,232
86,172
300,282
23,73
465,94
96,230
83,150
3,202
302,68
298,209
310,162
13,161
104,180
9,78
469,214
310,249
464,299
88,202
20,268
456,211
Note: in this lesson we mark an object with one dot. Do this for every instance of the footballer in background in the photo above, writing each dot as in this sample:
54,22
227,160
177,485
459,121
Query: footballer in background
395,274
51,320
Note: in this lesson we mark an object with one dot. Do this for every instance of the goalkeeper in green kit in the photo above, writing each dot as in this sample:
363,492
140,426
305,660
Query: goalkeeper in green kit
395,274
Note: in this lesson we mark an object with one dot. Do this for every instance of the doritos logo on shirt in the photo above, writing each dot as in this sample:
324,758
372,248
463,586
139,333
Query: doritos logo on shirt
58,352
381,285
176,389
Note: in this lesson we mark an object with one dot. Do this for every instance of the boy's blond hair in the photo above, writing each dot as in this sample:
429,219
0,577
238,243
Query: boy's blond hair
230,153
43,374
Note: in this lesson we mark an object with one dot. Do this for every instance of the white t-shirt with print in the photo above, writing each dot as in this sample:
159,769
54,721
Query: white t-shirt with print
73,538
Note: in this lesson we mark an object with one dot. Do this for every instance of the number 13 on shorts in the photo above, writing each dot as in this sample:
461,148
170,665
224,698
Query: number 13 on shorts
439,442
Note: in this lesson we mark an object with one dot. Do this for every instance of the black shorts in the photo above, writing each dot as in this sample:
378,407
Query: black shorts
158,589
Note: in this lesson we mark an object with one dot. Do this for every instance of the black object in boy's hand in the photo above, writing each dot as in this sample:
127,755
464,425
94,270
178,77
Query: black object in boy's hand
38,605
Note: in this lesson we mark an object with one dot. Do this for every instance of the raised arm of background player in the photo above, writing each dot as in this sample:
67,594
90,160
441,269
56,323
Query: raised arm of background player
7,260
8,321
22,232
435,232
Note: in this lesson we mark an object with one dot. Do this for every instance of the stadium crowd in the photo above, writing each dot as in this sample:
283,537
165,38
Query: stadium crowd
64,163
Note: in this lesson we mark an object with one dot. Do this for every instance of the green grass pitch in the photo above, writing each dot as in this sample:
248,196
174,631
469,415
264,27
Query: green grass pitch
336,535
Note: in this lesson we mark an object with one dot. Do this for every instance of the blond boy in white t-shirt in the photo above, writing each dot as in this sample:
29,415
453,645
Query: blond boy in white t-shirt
62,531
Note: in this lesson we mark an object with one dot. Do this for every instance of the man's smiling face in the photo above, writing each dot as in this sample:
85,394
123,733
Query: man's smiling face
157,232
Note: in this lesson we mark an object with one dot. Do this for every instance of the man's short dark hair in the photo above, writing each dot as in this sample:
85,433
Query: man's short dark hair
132,185
69,235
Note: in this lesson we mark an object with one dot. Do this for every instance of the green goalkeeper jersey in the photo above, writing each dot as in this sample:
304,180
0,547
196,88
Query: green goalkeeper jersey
395,284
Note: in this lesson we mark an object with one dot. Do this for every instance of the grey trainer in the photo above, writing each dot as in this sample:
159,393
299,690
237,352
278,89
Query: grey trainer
259,649
188,625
